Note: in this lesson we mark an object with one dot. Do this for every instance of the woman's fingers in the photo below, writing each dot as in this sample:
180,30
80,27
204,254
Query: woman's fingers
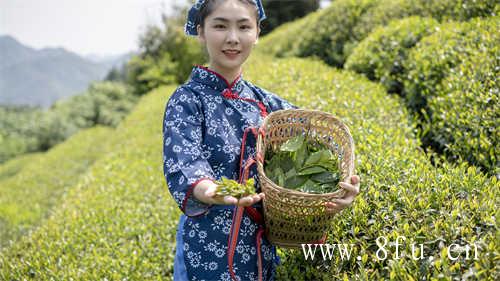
344,202
331,207
245,201
353,189
355,179
341,203
250,200
256,198
230,200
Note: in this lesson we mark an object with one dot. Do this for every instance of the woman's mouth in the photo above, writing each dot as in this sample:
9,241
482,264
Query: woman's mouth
231,54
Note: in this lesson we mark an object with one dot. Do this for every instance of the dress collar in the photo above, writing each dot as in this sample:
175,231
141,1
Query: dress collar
215,80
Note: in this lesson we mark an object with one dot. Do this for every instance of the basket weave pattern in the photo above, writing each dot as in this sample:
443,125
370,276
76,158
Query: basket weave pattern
293,217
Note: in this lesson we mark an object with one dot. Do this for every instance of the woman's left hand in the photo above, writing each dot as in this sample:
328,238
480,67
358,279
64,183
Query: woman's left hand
352,190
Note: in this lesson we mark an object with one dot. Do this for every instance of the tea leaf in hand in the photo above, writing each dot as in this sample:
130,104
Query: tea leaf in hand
231,187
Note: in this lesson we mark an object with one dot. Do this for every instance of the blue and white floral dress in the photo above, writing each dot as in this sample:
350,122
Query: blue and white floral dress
203,127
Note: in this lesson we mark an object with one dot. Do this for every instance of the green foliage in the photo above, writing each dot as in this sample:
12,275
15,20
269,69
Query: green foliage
229,187
104,103
28,193
25,130
443,69
435,56
386,11
117,221
117,74
304,166
167,57
382,55
402,193
279,44
466,113
332,34
15,165
18,125
278,14
148,73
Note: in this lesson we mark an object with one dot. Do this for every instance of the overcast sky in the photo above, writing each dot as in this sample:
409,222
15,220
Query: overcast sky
102,27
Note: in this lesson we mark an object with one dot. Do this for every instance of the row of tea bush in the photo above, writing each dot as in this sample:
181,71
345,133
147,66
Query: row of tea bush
32,185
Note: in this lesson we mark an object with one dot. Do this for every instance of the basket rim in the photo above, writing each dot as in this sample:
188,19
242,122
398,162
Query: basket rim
343,126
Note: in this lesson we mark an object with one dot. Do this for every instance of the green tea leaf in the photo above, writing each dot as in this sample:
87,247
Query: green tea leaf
290,173
311,170
286,161
314,158
311,187
295,181
293,144
301,155
325,177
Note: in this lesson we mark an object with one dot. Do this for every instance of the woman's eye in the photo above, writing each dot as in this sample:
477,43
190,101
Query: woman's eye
219,26
245,27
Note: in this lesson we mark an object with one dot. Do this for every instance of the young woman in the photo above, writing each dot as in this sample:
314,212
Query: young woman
204,140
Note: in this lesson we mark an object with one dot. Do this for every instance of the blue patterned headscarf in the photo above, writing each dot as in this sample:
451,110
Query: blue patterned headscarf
192,18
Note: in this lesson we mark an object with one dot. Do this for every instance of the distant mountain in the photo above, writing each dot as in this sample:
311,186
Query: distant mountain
41,77
110,60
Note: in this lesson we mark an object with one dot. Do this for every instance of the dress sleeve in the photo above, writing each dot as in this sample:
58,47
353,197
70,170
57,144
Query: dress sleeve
183,164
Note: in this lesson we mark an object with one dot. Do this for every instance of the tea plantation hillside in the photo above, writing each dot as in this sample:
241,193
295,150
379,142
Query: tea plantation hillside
14,166
31,185
119,221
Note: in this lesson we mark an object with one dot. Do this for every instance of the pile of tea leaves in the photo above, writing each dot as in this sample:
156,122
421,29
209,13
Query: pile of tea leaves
226,186
303,166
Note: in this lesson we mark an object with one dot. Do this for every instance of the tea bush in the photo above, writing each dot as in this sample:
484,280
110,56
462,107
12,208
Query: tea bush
278,42
444,68
441,10
332,33
466,113
402,193
437,55
28,196
382,55
14,166
117,222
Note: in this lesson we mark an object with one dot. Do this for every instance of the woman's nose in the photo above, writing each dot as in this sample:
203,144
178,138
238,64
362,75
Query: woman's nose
232,36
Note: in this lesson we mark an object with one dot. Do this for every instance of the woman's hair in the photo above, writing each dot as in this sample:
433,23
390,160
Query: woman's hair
209,6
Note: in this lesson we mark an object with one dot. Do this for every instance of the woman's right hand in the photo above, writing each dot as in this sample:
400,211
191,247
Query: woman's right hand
205,192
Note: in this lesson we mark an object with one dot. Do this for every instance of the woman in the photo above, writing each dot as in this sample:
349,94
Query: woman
204,124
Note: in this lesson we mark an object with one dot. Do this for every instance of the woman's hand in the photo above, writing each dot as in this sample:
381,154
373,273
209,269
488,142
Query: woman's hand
352,191
205,192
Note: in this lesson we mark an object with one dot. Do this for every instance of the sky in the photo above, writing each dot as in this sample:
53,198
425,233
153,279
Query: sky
99,27
104,27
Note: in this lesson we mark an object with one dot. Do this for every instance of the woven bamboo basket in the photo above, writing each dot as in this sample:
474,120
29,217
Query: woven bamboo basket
293,217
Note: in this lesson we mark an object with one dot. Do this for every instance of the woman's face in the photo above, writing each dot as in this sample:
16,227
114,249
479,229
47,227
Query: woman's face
230,32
